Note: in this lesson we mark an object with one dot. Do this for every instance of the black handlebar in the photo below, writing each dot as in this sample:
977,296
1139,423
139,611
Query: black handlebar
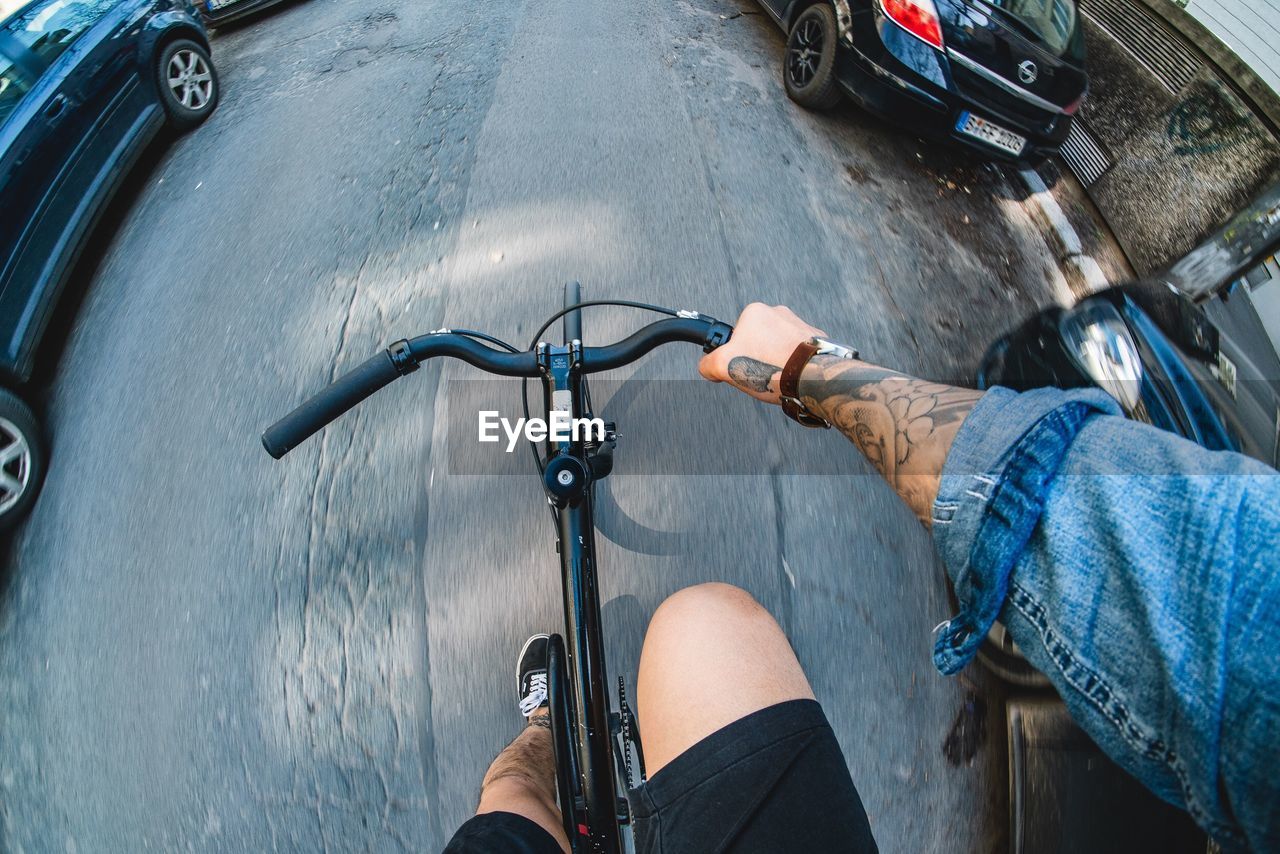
472,352
330,402
706,332
403,357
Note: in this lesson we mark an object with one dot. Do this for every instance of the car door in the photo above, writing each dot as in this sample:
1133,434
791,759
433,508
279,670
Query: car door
105,79
51,164
19,139
29,166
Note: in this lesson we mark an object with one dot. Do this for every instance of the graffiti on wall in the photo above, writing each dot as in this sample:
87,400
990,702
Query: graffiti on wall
1206,121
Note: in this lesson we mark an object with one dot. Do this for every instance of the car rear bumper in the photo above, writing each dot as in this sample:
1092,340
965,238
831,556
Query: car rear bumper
880,82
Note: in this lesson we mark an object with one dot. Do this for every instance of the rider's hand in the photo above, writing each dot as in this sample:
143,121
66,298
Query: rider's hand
752,360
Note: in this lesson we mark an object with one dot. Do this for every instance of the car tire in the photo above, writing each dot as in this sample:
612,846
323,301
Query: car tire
809,65
22,458
1001,656
188,83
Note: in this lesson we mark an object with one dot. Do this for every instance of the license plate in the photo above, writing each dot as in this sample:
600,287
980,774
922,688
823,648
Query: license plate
990,133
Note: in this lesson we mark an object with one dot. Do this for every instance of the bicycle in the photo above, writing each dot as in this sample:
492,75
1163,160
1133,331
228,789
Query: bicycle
593,745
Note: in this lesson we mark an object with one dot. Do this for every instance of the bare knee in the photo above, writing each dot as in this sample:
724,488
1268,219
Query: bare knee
704,605
709,626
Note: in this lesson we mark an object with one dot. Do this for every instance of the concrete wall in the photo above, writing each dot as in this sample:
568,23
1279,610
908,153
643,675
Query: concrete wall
1179,144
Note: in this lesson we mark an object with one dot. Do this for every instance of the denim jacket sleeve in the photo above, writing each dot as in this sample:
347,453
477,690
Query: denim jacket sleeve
1141,574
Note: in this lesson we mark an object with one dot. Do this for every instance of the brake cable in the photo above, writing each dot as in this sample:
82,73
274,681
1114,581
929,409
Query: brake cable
625,303
524,384
482,336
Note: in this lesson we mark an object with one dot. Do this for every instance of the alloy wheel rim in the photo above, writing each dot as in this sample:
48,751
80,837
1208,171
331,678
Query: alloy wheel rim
805,52
190,80
15,465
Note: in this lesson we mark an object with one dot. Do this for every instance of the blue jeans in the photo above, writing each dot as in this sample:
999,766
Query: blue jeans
1141,574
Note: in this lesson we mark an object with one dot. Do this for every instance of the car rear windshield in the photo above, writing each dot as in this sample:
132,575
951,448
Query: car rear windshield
1052,21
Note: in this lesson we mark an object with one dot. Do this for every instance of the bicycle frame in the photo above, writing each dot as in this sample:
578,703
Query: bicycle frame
581,725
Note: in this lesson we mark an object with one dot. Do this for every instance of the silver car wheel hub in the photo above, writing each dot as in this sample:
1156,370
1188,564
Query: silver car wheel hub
190,79
15,465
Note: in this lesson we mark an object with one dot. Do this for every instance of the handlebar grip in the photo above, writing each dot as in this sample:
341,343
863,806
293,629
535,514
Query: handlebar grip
333,400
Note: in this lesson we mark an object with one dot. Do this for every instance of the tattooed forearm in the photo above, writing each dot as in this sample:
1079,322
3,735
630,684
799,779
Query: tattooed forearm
903,425
752,374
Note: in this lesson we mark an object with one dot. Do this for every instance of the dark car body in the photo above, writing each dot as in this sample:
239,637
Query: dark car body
1197,380
1208,351
219,12
1024,73
79,103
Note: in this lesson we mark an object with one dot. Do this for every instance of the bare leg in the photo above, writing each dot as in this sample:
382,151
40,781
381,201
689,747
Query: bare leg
522,780
711,655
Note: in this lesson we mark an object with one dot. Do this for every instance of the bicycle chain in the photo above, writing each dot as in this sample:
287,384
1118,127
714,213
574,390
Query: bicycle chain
625,713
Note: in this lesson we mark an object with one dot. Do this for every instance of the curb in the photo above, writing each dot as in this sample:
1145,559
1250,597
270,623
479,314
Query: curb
1080,269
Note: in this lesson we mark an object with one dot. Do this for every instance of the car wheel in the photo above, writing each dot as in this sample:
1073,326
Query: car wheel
21,459
1001,656
188,83
809,69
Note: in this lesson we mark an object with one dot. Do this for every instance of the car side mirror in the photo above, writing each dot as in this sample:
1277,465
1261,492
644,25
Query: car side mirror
1100,345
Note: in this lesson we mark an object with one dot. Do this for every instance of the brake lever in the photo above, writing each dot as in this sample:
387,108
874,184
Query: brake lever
719,333
716,335
600,457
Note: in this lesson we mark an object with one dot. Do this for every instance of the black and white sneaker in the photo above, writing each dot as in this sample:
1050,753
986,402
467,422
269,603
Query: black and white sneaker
531,675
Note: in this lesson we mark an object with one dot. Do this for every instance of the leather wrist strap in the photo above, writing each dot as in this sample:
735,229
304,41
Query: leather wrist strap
790,382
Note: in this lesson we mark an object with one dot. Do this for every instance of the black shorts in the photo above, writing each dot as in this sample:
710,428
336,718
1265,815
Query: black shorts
772,781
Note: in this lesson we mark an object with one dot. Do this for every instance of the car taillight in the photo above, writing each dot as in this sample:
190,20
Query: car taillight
918,17
1070,109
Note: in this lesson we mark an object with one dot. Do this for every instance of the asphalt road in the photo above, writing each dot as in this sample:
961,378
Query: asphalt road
202,649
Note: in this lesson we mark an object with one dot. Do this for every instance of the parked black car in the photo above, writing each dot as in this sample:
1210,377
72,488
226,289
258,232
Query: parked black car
1003,77
1189,351
1163,357
84,87
1207,371
1193,351
219,12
